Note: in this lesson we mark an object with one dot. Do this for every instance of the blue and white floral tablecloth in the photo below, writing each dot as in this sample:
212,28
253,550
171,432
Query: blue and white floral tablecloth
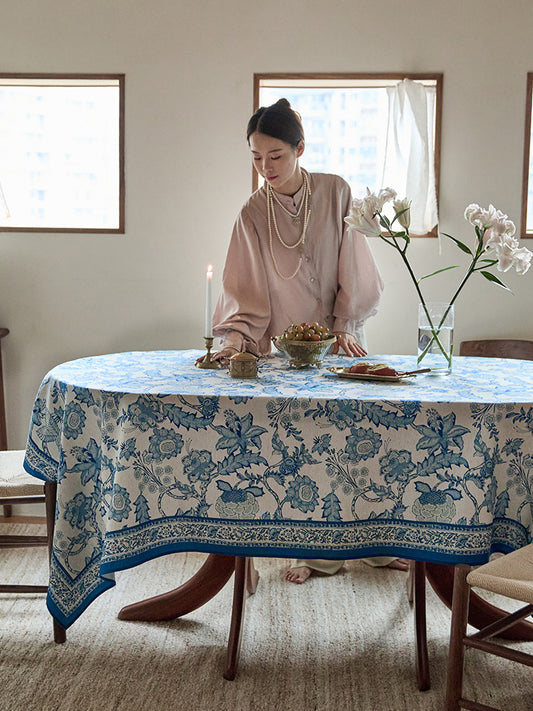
154,456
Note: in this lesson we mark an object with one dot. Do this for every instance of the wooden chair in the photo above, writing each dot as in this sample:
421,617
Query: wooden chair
498,348
17,487
510,575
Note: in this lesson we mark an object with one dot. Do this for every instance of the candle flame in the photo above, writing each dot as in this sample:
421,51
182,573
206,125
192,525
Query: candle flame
209,271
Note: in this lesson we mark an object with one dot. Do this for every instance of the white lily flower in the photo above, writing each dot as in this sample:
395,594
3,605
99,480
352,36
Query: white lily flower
385,195
506,256
473,214
403,206
362,217
522,260
497,243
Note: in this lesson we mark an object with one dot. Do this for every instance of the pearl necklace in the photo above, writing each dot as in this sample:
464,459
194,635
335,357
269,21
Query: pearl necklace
271,219
295,216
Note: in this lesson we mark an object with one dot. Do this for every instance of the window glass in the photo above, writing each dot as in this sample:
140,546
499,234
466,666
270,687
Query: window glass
347,122
342,130
61,142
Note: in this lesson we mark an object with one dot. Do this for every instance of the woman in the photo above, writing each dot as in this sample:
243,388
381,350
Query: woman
292,258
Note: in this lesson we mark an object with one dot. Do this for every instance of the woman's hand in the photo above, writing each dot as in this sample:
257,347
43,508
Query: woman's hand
224,355
348,344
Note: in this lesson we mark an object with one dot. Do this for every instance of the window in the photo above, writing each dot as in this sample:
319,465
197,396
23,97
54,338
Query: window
61,153
354,126
527,180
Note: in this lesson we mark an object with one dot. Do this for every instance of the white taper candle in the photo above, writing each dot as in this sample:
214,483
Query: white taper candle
208,302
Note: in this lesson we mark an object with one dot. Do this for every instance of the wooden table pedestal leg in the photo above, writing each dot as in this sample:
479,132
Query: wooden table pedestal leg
204,585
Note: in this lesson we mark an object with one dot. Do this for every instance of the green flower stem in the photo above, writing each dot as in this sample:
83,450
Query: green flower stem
471,269
392,239
434,332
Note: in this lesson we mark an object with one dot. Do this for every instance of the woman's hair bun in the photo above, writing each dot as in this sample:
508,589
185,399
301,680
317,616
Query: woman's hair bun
279,121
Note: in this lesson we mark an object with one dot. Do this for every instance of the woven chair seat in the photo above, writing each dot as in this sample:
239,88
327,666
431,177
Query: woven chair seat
14,481
510,575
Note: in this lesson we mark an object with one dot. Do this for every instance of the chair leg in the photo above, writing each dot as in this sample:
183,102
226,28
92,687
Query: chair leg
50,493
419,594
460,602
237,613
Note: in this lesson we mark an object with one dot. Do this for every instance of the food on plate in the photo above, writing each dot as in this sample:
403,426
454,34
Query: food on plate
373,369
383,370
360,368
306,332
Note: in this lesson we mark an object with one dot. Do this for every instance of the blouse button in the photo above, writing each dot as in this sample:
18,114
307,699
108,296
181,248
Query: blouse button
312,280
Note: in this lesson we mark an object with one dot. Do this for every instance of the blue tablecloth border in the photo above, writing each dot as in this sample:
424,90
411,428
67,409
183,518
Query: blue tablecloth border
99,578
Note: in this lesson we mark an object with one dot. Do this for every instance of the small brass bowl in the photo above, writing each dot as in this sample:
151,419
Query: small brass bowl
303,354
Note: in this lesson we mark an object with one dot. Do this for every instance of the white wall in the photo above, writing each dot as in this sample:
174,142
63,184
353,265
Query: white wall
189,66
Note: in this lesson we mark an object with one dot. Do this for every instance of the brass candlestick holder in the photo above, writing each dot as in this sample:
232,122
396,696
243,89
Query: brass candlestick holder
206,361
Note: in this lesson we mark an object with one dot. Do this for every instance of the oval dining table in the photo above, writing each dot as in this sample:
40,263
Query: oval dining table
145,454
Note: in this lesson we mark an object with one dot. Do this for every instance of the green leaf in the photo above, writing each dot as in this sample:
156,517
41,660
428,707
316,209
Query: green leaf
444,269
494,279
399,214
460,244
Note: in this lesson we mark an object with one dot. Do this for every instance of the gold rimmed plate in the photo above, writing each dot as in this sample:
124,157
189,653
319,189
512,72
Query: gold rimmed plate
345,373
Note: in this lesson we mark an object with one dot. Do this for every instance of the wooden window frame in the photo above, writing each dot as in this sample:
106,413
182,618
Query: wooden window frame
329,77
59,77
527,157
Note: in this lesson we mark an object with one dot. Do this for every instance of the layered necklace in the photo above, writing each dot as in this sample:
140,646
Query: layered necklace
305,203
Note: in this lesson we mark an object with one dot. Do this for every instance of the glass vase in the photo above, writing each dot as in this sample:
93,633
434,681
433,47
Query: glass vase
435,337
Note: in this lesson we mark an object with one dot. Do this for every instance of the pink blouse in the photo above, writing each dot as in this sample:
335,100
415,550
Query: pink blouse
338,283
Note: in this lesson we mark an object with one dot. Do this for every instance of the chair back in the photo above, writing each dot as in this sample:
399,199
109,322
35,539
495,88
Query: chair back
498,348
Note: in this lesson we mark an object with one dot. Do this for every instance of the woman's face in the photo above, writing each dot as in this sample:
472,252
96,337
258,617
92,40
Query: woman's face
277,162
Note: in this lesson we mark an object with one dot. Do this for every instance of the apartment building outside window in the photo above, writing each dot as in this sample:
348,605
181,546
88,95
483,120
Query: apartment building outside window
355,127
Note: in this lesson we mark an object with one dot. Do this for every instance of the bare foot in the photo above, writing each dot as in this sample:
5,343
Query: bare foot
399,564
298,575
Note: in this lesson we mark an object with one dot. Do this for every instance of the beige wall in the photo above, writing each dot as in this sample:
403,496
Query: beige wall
189,67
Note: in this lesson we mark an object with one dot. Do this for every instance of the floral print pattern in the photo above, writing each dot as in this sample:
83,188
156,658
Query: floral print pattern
152,454
303,493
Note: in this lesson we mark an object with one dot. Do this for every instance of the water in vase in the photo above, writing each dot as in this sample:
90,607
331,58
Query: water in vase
433,357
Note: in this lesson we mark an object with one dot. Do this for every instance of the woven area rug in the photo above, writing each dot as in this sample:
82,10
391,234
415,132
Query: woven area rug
344,642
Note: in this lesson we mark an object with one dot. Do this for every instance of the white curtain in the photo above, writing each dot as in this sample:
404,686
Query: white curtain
4,209
409,154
